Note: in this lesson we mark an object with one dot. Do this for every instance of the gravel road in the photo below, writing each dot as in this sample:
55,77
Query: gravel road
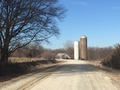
72,75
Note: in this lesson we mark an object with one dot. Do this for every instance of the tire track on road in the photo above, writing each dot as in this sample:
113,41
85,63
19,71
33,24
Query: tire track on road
31,83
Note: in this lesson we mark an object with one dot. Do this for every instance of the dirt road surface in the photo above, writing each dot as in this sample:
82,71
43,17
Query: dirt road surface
72,75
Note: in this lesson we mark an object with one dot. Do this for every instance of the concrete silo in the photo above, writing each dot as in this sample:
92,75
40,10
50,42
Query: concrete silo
76,50
83,47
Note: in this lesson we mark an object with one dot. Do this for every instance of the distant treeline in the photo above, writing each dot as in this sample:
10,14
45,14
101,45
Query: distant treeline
109,56
96,53
36,50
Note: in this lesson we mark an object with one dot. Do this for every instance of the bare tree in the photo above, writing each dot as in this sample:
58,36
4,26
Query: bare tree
69,48
24,21
96,53
48,54
35,50
30,51
68,44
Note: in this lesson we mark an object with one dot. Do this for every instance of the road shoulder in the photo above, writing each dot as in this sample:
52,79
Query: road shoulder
113,74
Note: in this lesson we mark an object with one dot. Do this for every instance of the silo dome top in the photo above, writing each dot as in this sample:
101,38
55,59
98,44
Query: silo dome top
83,36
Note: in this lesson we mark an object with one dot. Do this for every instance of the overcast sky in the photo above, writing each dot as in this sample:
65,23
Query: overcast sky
99,20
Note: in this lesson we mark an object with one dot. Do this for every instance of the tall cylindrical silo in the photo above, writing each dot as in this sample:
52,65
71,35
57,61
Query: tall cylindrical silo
76,50
83,47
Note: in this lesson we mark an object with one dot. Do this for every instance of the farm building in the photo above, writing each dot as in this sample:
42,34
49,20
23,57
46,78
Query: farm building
62,56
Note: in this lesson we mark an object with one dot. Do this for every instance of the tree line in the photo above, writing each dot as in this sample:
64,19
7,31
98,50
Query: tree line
37,50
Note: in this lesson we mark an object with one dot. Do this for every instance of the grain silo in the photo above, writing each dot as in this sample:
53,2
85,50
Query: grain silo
76,50
83,47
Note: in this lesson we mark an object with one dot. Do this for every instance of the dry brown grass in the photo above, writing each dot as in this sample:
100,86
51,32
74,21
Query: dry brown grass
18,66
21,60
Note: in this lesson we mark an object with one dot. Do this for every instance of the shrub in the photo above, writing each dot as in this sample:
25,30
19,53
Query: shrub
113,60
48,55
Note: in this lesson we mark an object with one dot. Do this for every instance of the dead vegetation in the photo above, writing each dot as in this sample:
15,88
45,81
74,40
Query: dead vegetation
108,56
97,53
17,67
113,60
